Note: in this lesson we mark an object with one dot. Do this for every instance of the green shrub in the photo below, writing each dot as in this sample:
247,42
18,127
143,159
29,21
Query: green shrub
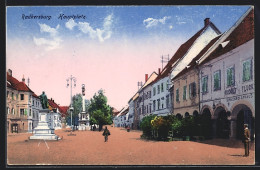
146,126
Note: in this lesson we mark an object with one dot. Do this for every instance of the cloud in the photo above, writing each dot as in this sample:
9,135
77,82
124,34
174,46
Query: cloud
70,24
151,22
101,34
50,43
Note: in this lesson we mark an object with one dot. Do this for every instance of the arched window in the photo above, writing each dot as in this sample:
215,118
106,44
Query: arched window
13,111
8,110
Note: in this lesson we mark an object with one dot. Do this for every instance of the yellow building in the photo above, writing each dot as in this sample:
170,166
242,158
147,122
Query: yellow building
19,102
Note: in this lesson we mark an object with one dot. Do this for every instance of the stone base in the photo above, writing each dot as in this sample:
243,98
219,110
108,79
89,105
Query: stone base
45,137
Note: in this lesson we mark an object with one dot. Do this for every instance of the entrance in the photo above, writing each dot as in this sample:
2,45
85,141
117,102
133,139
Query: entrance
14,128
206,124
244,116
223,124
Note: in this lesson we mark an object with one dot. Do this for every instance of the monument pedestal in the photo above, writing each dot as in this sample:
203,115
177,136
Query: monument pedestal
42,131
84,121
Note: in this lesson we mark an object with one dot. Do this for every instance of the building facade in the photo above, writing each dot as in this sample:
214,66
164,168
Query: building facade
227,81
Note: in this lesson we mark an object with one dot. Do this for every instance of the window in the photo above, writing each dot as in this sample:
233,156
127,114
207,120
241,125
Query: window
192,89
21,112
17,97
158,89
247,70
144,111
177,95
147,109
8,110
204,84
13,111
33,114
167,101
30,112
158,103
162,104
22,96
150,108
162,87
184,92
12,95
154,105
154,91
217,80
33,103
231,76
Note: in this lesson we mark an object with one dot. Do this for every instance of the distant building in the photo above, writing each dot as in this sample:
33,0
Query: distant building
54,117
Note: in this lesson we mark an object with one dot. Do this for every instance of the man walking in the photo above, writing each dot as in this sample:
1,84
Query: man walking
246,139
106,133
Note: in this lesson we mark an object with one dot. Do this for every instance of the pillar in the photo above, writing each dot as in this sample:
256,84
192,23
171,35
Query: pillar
233,125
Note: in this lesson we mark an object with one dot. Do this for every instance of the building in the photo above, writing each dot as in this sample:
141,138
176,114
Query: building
227,80
36,107
19,105
54,117
144,102
187,87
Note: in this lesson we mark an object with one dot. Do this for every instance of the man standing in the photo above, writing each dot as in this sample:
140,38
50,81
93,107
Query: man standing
106,133
246,139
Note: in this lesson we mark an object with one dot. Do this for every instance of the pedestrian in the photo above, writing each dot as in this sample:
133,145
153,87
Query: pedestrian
246,139
106,133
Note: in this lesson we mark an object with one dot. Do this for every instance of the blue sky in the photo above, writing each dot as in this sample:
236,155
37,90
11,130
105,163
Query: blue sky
112,48
127,20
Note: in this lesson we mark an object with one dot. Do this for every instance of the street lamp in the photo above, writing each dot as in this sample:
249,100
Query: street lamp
71,78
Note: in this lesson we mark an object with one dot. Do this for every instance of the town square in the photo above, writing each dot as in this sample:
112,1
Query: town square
130,85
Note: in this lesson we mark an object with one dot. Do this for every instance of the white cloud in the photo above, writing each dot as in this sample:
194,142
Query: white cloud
51,43
48,29
100,33
71,24
151,22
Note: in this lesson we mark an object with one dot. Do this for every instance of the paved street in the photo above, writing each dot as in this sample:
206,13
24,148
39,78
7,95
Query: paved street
122,148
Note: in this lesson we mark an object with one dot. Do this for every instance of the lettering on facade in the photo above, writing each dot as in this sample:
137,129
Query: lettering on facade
240,97
230,91
247,88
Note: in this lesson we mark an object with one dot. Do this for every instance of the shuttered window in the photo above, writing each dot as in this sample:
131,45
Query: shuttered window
217,80
231,76
247,70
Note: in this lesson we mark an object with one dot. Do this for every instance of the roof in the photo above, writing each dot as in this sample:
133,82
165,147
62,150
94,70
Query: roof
63,110
243,33
182,50
193,62
53,105
34,95
15,84
115,111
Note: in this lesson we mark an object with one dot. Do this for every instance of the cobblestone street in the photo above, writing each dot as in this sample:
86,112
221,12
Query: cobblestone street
122,148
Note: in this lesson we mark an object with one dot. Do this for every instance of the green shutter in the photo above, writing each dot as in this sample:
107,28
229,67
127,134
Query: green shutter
247,70
184,92
25,112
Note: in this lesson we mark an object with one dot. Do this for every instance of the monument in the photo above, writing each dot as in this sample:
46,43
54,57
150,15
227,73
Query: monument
43,131
83,115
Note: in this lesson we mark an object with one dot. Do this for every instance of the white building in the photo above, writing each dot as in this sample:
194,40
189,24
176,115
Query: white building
144,102
227,80
54,117
36,106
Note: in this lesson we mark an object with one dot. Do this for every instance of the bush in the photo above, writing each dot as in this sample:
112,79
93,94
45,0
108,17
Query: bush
146,126
177,128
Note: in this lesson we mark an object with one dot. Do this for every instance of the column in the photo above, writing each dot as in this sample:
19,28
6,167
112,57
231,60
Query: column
233,125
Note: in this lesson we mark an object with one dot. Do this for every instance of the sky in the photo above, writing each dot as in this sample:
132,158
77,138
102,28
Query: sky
103,47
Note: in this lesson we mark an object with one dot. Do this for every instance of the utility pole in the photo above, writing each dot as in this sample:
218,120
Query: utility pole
165,59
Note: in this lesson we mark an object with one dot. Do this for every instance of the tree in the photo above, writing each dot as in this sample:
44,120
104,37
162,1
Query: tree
100,111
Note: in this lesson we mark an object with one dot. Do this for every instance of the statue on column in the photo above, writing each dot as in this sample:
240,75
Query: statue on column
44,100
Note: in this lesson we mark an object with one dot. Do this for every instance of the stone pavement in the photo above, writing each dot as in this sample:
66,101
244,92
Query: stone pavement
122,148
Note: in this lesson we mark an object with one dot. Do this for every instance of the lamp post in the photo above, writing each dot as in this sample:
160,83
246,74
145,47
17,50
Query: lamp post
71,78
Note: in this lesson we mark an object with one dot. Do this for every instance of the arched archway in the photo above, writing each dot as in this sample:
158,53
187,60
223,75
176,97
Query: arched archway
243,116
187,114
179,116
195,113
206,123
222,123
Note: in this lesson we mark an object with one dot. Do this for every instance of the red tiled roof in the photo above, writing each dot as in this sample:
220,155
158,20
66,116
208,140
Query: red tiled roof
15,84
34,95
53,104
182,50
63,110
243,33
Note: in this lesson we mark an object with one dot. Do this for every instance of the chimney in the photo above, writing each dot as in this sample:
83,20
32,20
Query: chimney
206,21
146,77
23,79
9,72
51,99
159,71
